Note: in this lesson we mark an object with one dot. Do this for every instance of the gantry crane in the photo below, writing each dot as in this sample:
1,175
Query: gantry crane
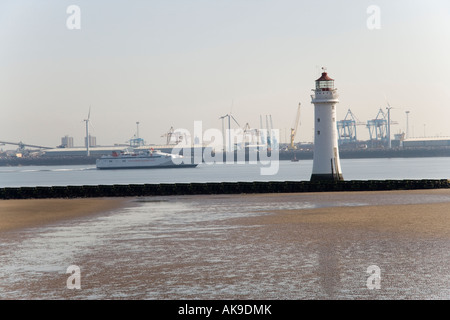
347,128
294,130
250,135
379,129
168,135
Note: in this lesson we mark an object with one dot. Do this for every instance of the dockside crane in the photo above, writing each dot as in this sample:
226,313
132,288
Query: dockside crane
250,135
347,128
168,135
269,134
229,116
294,129
379,129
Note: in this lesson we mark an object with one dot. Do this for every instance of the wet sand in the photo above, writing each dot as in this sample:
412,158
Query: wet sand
429,219
16,214
426,218
258,246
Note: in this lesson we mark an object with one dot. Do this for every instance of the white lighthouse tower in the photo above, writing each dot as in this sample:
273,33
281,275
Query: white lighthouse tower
326,164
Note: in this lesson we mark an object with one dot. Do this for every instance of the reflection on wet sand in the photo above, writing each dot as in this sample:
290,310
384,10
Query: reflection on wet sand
328,270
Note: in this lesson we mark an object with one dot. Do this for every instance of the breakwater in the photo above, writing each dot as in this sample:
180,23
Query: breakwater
165,189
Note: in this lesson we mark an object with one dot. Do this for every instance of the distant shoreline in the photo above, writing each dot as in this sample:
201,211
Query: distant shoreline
283,155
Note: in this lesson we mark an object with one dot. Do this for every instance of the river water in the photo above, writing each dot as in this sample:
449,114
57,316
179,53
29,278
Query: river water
353,169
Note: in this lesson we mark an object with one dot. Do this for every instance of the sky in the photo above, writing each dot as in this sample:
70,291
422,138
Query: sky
168,63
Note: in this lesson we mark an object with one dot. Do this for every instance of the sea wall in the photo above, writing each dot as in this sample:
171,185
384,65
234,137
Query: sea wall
164,189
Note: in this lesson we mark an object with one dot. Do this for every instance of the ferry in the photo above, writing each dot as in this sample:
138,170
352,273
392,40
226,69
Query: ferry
146,159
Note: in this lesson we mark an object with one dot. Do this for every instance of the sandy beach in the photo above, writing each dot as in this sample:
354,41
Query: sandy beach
426,218
253,246
15,214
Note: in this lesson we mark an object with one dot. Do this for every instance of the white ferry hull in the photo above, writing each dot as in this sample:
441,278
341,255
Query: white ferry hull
153,161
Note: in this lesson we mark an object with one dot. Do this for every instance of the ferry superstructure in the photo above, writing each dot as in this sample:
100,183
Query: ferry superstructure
144,159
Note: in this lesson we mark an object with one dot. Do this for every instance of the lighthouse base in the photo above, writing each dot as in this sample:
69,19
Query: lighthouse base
326,177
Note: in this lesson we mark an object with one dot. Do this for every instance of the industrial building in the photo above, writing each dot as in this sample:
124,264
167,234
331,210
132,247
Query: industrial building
92,141
67,142
426,142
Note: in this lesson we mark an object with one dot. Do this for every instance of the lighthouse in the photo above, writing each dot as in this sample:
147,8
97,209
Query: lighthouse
326,164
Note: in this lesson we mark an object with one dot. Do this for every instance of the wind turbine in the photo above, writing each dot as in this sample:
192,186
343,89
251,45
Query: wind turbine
87,132
388,108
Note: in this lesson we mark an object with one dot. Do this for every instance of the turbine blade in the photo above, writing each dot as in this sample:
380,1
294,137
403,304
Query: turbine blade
235,120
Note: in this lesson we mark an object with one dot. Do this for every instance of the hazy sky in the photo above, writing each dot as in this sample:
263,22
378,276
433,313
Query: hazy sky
168,63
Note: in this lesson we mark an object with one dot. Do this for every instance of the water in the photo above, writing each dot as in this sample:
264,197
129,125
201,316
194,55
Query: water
353,169
216,247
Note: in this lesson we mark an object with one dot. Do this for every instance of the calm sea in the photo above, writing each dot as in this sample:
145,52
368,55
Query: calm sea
353,169
196,247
